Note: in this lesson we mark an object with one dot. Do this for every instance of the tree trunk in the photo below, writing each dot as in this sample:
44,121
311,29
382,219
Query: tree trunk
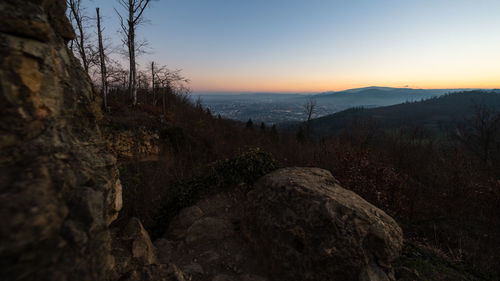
80,43
163,99
131,51
153,81
104,82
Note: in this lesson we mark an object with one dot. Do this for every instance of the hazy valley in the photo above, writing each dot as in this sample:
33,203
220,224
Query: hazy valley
276,108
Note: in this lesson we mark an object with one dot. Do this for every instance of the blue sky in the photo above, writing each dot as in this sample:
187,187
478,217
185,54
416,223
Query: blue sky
319,45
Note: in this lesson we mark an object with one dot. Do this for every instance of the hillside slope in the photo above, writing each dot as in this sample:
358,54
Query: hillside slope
437,114
379,96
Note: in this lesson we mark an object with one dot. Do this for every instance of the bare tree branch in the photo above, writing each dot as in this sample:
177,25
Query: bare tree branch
134,10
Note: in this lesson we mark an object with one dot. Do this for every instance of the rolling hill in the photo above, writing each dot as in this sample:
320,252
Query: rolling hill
379,96
436,113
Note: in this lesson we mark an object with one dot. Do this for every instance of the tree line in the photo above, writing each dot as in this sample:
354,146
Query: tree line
96,54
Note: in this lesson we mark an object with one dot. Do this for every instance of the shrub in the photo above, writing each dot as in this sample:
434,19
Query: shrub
176,136
245,168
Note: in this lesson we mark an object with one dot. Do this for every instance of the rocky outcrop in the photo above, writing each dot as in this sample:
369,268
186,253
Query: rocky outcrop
206,241
130,143
293,224
59,189
306,227
135,256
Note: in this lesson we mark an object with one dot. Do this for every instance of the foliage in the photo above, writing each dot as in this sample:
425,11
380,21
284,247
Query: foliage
380,184
176,136
245,169
438,114
249,124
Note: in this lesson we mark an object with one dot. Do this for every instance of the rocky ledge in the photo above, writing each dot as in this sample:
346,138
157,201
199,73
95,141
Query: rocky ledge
294,224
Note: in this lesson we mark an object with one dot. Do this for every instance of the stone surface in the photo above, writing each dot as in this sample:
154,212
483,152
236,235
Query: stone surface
139,242
205,240
224,277
155,273
306,227
209,229
178,226
128,143
135,256
166,247
59,187
250,277
193,268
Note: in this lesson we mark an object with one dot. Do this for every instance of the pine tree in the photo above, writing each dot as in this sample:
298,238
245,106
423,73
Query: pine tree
249,124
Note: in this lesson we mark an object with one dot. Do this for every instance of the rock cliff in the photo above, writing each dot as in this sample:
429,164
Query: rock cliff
59,187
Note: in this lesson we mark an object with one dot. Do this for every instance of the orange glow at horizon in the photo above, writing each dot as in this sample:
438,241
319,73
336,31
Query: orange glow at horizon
317,46
294,86
425,70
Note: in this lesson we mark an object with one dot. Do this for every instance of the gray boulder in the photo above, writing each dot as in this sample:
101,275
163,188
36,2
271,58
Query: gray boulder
306,227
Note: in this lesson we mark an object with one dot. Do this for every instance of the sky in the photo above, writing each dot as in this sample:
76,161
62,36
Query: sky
320,45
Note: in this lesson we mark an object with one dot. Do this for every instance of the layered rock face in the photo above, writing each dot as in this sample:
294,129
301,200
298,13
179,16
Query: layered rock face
306,227
127,143
59,189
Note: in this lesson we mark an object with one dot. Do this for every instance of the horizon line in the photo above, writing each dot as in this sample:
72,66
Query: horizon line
326,91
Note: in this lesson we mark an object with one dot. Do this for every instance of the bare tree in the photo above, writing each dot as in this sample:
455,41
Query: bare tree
170,81
104,81
117,77
310,109
142,80
153,74
78,18
481,134
156,73
135,9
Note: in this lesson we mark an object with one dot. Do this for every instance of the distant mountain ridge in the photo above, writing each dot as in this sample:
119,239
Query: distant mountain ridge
437,113
273,108
375,92
391,89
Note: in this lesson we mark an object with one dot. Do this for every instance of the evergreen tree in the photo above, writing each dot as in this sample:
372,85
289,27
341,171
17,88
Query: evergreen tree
273,129
301,135
249,124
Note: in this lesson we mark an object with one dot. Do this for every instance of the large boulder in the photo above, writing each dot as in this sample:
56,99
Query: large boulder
306,227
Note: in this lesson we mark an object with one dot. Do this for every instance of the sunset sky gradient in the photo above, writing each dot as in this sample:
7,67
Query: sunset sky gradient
321,45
